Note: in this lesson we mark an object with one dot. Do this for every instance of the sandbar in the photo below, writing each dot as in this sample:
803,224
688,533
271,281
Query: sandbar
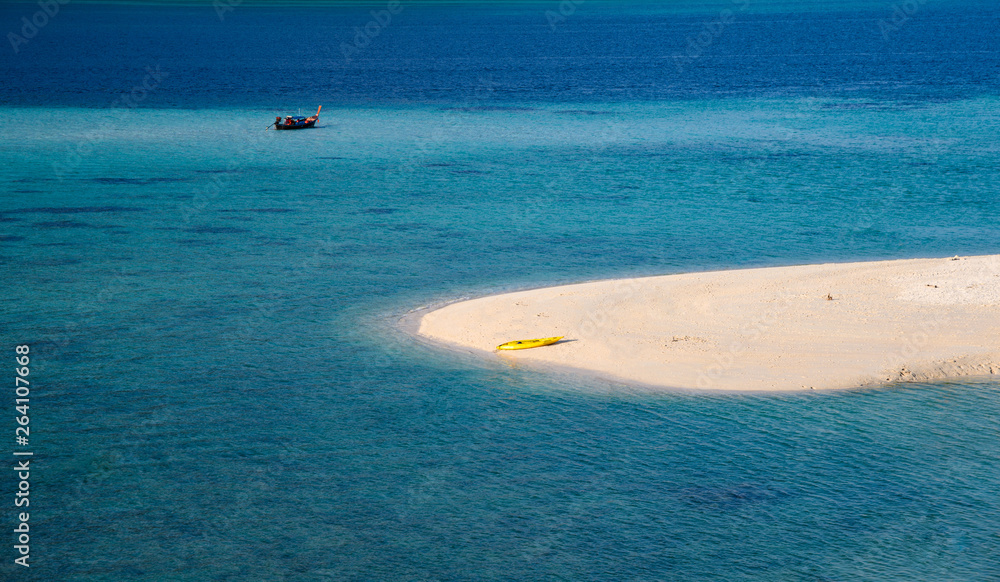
827,326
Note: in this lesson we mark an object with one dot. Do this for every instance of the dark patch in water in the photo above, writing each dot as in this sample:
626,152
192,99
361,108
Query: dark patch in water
605,198
406,227
272,242
63,224
765,157
379,210
26,191
10,238
8,219
438,165
195,242
216,230
584,112
134,181
218,171
490,108
262,210
853,106
468,172
330,158
876,106
731,497
55,262
79,210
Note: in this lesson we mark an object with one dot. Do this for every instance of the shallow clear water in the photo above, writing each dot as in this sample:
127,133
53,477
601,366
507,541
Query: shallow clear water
220,390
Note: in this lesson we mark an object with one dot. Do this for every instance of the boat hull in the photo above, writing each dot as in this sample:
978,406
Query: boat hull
305,125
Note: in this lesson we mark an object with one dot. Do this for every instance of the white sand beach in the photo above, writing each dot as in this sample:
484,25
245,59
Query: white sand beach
785,328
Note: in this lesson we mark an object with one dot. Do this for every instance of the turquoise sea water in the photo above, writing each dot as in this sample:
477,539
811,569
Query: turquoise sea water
220,390
222,393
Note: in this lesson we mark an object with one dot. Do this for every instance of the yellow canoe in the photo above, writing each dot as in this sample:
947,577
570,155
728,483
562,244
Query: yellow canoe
529,343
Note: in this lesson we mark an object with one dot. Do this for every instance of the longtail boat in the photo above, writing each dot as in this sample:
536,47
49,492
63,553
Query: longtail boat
297,122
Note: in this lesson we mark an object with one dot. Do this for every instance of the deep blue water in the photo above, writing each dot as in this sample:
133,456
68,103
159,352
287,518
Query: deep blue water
219,387
276,57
